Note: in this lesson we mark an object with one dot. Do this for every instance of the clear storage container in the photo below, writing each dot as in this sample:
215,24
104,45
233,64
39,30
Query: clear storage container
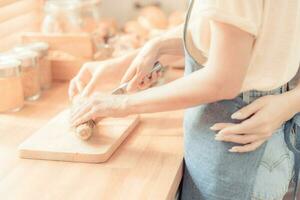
11,89
44,63
62,16
30,74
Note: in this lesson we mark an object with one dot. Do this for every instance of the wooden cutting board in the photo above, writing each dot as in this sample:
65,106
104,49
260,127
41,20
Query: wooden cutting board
55,141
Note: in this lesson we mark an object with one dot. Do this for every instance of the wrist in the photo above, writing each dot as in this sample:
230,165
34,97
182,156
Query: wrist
131,104
291,100
156,47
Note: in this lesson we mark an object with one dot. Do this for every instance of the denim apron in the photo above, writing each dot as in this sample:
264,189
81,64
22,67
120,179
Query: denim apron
212,172
292,128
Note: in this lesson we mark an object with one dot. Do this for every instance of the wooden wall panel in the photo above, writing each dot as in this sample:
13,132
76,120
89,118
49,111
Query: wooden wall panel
6,2
16,17
19,23
13,39
18,8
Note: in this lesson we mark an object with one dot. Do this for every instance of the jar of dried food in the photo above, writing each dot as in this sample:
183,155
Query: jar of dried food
30,74
44,63
11,89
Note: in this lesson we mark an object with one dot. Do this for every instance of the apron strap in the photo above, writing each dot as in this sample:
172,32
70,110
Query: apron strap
185,30
187,19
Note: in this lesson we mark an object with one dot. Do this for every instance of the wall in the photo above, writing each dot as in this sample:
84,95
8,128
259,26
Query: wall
125,9
17,16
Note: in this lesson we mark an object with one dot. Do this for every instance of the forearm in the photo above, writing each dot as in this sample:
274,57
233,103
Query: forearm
194,89
221,78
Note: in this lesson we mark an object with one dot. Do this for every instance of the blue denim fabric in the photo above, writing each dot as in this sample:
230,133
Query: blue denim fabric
292,138
213,173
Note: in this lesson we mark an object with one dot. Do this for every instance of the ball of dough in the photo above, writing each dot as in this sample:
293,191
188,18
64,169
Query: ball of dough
152,17
133,27
107,27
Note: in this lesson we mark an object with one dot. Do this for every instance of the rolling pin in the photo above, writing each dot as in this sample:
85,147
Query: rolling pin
85,131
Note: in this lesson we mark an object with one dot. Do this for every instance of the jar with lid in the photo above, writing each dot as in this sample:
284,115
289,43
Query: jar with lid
71,16
30,74
11,89
44,63
62,16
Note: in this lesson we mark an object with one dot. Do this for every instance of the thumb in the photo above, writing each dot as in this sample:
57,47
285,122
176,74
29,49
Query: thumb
133,84
129,74
246,111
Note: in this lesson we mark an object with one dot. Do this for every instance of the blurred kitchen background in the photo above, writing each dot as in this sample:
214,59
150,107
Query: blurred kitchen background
65,34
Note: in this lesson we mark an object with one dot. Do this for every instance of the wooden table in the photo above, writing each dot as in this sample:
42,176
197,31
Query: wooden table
148,165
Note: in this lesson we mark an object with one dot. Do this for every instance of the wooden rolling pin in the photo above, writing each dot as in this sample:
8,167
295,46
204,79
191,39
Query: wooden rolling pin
85,131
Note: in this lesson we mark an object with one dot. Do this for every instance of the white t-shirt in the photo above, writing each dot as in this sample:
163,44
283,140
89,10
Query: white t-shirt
275,25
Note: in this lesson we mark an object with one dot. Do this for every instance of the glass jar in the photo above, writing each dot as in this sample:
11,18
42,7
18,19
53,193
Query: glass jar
44,63
11,89
62,16
30,74
91,15
69,16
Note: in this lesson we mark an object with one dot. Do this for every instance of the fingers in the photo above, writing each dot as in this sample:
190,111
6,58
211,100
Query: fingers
248,147
247,111
149,80
133,84
75,88
89,87
155,76
220,126
248,126
72,92
79,85
239,139
129,74
80,111
84,118
146,83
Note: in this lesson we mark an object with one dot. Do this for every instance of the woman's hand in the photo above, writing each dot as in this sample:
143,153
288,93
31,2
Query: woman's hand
78,83
138,74
261,119
97,106
93,74
90,75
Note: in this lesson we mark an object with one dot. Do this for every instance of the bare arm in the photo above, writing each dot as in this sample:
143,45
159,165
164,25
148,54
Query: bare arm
95,73
222,78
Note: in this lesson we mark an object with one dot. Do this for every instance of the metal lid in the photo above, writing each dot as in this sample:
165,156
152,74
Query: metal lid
9,67
40,47
27,57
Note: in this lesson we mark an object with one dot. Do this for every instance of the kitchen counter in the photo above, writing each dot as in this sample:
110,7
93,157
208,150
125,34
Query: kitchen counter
148,165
